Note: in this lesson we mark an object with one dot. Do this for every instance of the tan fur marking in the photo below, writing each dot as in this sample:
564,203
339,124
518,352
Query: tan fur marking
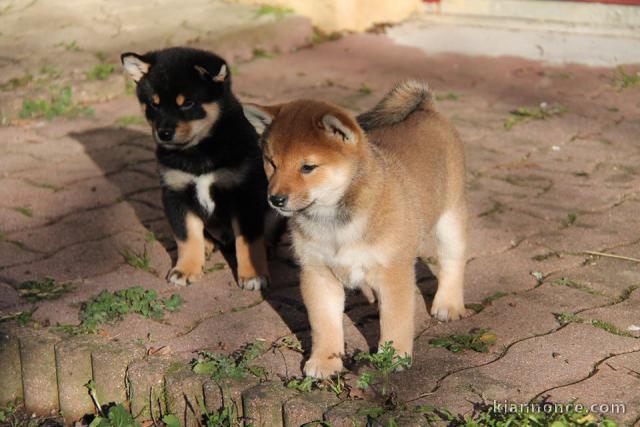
251,257
156,99
191,253
180,100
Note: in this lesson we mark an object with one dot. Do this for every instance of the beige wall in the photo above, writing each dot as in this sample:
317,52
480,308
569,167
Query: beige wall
353,15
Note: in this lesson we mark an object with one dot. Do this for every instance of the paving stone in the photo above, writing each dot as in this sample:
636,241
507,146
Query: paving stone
74,371
218,394
613,384
109,364
346,414
262,404
307,407
38,359
146,386
10,366
184,395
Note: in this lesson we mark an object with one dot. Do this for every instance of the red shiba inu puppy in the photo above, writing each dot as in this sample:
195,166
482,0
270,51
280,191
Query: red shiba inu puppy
363,196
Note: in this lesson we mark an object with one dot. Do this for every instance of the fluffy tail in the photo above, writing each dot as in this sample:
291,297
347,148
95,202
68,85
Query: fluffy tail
407,97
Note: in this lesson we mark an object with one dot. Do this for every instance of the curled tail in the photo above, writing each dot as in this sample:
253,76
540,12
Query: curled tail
407,97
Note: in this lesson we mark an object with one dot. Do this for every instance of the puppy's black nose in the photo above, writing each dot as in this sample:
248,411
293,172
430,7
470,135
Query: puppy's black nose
165,134
278,200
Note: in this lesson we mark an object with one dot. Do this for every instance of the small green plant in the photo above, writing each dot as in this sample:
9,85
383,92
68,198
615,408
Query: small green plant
130,120
72,46
571,219
140,262
227,416
566,318
534,414
109,416
496,296
43,289
277,11
215,267
365,89
23,317
100,71
110,308
304,385
60,103
290,343
171,420
259,52
478,340
543,112
236,366
449,96
16,82
101,55
50,72
24,210
623,80
577,285
385,361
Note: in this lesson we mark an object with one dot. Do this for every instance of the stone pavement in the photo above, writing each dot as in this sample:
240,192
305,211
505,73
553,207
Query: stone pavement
76,194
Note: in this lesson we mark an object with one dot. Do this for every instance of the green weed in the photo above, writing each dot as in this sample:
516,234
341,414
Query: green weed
140,262
227,416
384,362
130,120
365,89
110,308
449,96
571,219
535,414
304,385
496,296
50,72
215,267
290,343
72,46
258,52
277,11
24,210
44,289
542,112
565,318
109,415
100,71
623,80
16,82
579,286
59,104
101,55
478,340
236,366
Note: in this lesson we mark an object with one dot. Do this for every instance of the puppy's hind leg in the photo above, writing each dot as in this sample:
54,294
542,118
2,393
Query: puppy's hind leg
450,231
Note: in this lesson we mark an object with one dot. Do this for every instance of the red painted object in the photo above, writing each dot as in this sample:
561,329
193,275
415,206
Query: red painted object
627,2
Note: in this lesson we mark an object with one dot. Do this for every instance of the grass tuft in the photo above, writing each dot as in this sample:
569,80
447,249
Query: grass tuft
59,104
278,11
478,340
543,112
100,71
110,308
44,289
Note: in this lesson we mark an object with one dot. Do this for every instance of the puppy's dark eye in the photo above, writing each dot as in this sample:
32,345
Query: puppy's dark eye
306,169
187,105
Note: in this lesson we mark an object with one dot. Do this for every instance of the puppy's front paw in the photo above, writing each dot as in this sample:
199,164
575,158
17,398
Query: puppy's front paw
445,308
323,367
254,283
183,278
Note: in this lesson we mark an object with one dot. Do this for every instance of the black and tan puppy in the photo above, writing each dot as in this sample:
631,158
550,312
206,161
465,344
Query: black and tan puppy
209,160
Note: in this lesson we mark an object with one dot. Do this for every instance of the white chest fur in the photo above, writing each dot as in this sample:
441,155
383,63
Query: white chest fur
178,180
343,249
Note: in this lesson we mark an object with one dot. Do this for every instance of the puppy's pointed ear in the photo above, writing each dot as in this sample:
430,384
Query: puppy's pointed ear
260,117
135,65
220,77
340,126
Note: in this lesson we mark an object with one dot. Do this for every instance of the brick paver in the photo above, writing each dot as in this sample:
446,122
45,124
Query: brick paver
75,194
